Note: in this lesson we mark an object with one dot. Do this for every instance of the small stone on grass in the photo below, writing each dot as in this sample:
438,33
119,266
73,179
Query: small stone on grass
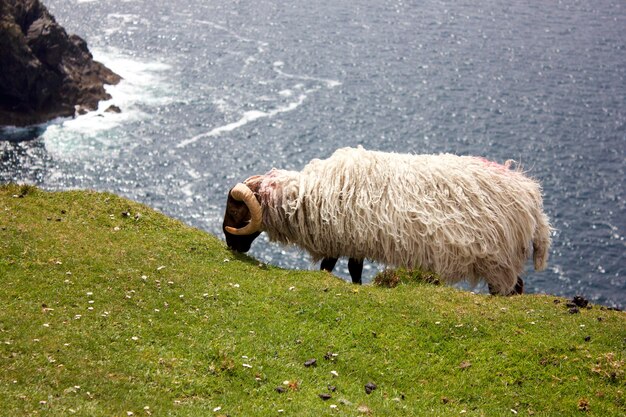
369,387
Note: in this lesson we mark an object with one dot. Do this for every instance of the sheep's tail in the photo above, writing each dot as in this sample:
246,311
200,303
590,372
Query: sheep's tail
541,241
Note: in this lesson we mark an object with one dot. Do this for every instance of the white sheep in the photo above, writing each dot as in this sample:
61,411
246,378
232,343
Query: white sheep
461,217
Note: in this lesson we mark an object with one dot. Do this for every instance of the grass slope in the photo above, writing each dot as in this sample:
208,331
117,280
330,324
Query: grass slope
110,308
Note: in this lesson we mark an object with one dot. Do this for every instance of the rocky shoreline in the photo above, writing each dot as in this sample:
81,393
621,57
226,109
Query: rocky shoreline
44,72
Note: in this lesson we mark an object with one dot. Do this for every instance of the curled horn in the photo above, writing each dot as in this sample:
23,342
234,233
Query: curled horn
241,192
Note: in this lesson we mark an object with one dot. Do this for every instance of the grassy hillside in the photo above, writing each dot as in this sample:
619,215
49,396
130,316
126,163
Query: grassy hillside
110,308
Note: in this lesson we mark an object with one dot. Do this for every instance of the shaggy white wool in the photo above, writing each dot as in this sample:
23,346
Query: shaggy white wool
462,217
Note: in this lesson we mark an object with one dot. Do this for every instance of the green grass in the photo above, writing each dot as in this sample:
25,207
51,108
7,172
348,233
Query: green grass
108,307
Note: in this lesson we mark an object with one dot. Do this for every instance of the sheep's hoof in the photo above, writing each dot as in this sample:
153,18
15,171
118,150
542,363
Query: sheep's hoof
517,290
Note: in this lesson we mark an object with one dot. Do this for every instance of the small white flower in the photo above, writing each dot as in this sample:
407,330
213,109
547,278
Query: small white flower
134,338
245,365
216,409
334,373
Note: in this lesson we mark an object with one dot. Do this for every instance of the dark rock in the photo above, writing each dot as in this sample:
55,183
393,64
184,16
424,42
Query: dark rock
113,109
587,338
369,387
325,396
280,389
580,301
44,72
332,388
574,310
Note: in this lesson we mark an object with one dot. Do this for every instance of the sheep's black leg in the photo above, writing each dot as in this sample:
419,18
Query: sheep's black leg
355,266
517,290
328,264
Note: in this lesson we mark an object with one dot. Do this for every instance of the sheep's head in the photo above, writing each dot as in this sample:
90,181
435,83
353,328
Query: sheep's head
242,220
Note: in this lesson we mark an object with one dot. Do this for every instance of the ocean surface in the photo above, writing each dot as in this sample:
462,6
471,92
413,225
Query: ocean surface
216,91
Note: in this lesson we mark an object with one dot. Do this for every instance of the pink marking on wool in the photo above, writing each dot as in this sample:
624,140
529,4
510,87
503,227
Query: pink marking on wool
506,167
264,184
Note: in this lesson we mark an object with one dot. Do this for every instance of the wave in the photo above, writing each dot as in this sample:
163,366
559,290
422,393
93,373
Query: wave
263,82
143,86
247,117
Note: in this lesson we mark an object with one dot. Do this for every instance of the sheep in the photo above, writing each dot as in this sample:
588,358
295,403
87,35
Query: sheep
462,217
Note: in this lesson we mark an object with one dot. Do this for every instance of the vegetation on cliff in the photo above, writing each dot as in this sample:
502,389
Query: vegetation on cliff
110,308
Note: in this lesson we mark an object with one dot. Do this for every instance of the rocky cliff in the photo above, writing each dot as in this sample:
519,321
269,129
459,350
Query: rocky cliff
44,72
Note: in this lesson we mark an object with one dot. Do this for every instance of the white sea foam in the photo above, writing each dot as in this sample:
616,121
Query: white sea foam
120,21
142,85
93,1
328,82
247,117
250,116
305,85
231,32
